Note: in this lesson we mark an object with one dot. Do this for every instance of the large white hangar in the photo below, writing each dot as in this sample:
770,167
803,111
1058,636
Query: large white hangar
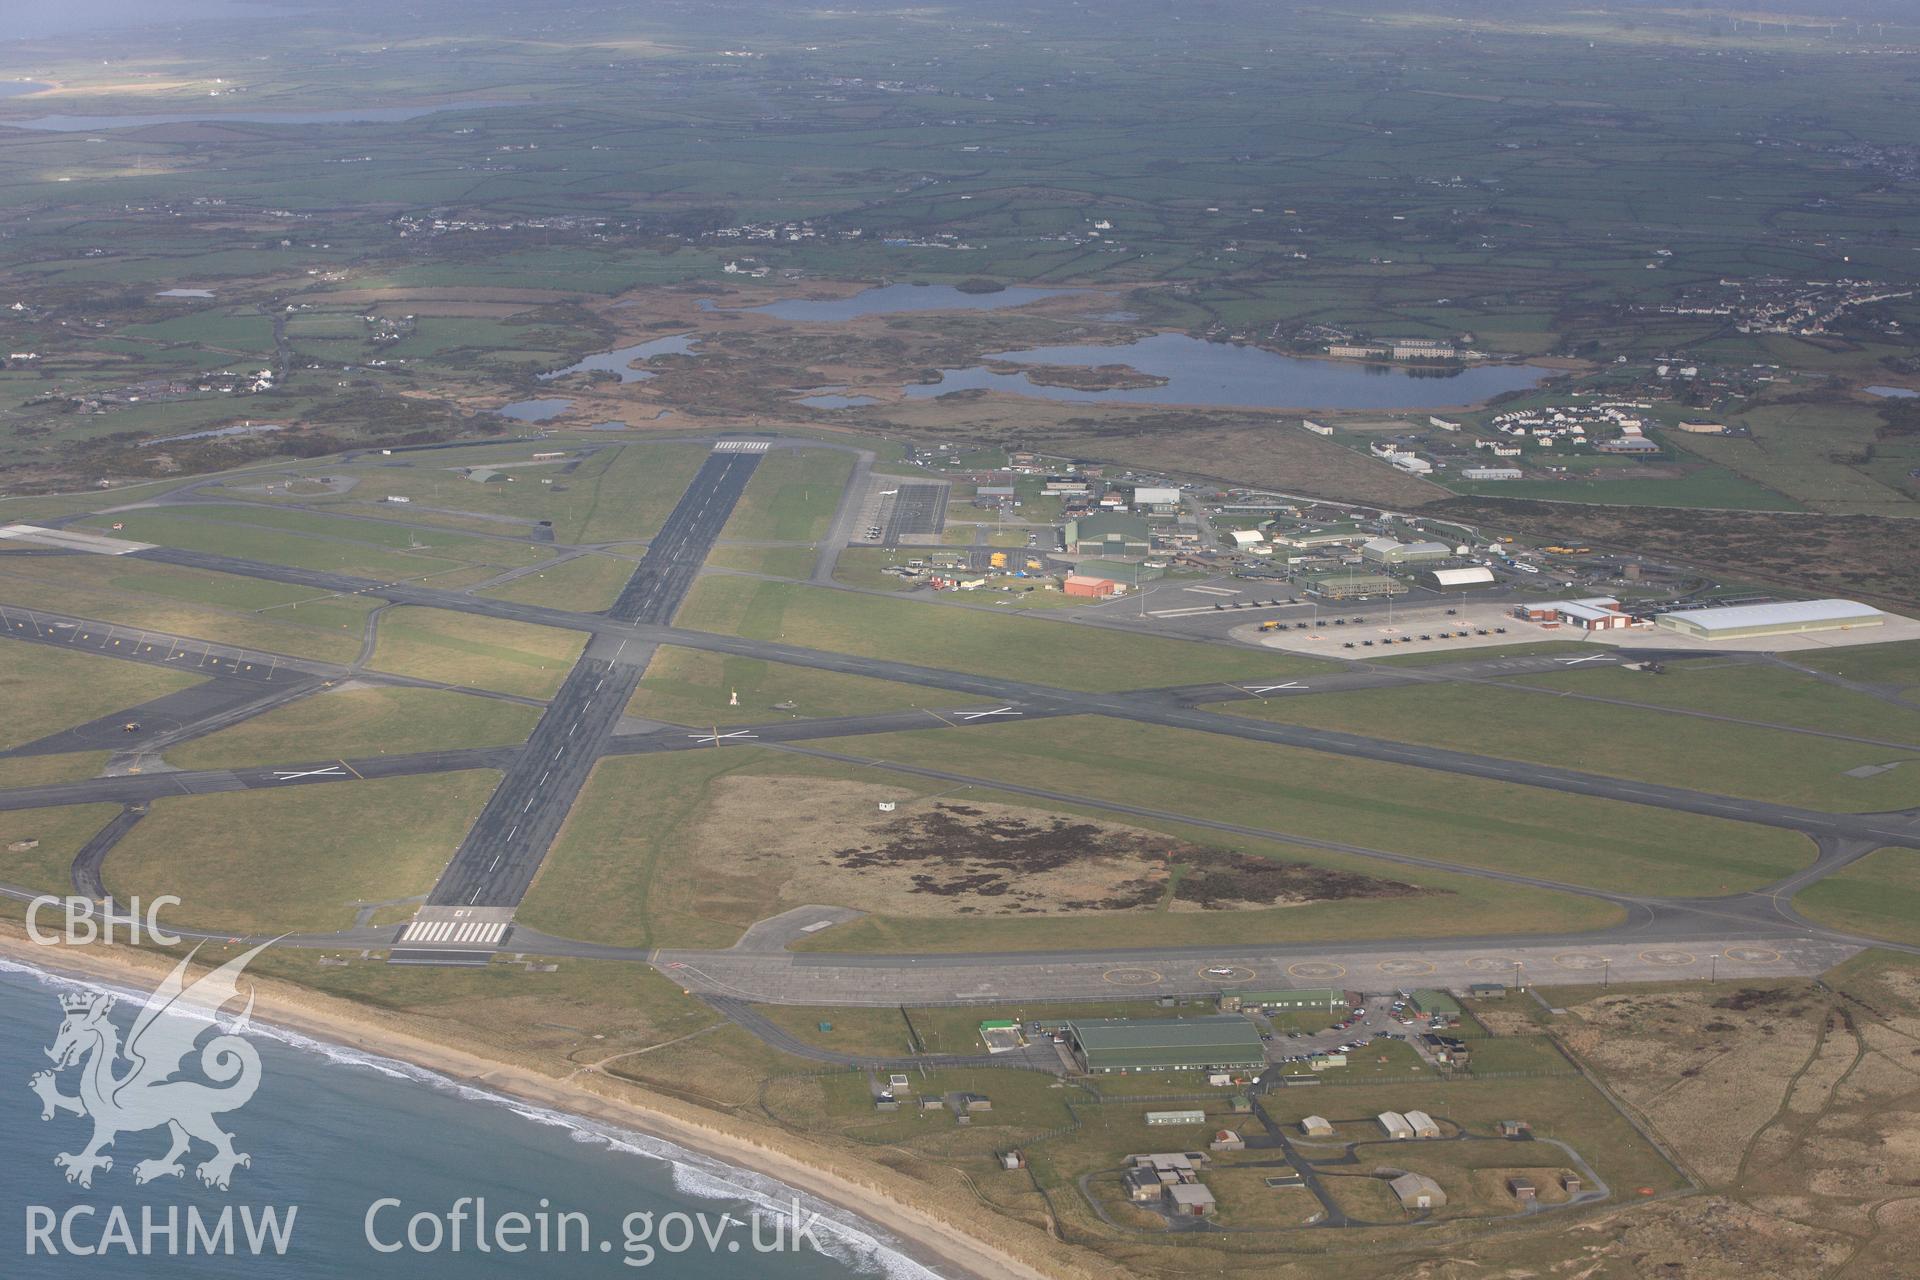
1789,617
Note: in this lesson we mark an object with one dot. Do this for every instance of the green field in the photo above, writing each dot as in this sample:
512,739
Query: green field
367,720
222,608
775,562
968,639
585,584
191,531
861,566
1598,737
1797,449
45,689
1753,691
692,686
1878,896
632,496
1894,667
791,497
476,652
297,860
597,881
1461,820
61,833
34,771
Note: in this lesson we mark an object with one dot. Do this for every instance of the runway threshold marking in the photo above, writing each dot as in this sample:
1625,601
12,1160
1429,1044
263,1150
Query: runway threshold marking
470,933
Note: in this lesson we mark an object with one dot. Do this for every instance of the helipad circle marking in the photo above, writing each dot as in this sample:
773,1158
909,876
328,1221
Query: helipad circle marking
1240,973
1671,959
1752,955
1316,969
1581,960
1406,968
1486,964
1134,977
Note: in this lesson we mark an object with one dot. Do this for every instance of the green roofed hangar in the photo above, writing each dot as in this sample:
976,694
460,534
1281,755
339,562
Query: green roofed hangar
1105,1046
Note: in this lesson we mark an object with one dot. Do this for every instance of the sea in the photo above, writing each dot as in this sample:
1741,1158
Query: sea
368,1158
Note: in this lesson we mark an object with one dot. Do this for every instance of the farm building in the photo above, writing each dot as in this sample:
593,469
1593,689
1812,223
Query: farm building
1326,536
1477,576
1314,998
1081,584
1785,618
1418,1191
1127,573
1108,534
1629,445
1395,1125
1175,1117
1351,586
1429,1001
1592,613
1596,617
1423,1125
1190,1200
1393,551
1108,1045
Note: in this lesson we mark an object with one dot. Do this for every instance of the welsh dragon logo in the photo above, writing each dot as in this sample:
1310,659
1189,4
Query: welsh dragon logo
147,1092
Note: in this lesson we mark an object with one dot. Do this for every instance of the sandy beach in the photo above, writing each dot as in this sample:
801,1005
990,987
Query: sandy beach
931,1236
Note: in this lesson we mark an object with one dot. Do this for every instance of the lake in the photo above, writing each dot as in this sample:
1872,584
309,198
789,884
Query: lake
350,115
14,88
835,400
620,360
893,299
534,410
332,1132
1216,373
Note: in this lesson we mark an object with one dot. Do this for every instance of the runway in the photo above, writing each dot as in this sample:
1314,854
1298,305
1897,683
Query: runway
496,863
675,555
1008,980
